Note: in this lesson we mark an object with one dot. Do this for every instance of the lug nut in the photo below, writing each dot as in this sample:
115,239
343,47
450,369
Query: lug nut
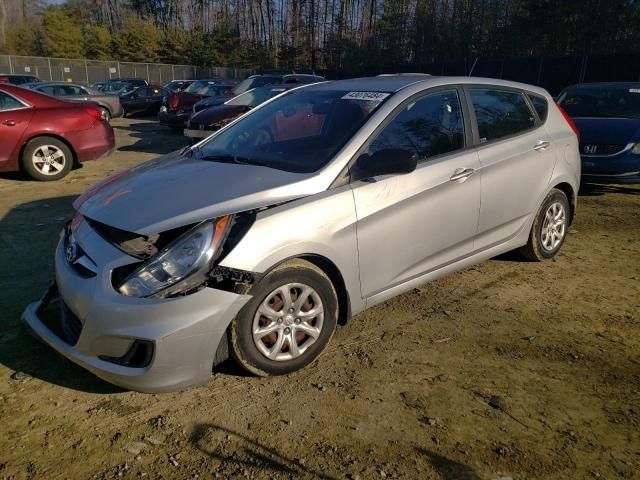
297,320
291,310
287,330
280,320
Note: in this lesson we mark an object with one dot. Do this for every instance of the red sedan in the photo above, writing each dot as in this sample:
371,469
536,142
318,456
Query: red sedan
45,137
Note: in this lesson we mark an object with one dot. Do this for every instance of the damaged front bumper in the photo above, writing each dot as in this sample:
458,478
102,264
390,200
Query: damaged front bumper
144,344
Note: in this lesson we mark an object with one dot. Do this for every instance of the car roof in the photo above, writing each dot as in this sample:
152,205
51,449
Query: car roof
395,83
43,84
605,85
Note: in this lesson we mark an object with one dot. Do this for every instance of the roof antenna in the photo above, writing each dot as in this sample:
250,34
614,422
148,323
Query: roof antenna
473,66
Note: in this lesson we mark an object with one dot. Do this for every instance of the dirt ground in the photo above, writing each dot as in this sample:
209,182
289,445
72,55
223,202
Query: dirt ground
507,369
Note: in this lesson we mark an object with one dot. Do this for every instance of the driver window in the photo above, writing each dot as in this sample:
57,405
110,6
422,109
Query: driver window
429,126
140,92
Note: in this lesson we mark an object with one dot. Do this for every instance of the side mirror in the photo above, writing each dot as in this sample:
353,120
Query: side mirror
385,162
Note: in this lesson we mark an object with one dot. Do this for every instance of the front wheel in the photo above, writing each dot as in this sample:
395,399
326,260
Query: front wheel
549,228
287,323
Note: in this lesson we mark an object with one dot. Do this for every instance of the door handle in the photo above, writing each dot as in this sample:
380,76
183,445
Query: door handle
541,146
9,123
461,174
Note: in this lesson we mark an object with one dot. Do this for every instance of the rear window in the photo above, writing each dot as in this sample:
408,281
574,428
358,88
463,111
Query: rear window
541,106
67,90
500,113
604,101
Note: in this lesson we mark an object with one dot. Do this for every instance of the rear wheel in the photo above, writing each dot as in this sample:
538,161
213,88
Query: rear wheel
105,113
46,159
287,323
549,228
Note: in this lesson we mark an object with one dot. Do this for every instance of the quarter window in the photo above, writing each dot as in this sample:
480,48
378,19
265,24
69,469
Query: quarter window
429,126
67,90
49,90
7,102
541,106
500,113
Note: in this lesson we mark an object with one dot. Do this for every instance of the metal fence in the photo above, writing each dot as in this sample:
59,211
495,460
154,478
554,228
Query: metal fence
71,70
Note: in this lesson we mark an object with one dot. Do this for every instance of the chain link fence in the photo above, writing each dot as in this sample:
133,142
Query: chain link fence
90,71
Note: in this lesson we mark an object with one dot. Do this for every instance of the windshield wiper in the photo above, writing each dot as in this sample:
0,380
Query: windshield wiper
232,159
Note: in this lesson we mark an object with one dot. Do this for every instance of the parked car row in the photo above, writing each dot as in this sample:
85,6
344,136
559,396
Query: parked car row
607,115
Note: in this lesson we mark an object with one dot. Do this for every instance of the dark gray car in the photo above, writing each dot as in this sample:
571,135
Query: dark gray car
109,104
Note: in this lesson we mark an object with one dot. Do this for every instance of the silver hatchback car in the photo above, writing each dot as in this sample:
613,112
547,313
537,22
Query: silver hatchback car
322,202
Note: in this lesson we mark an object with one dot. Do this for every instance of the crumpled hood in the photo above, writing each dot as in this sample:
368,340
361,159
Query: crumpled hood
175,190
608,131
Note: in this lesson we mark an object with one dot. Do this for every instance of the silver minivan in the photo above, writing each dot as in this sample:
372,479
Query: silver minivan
324,201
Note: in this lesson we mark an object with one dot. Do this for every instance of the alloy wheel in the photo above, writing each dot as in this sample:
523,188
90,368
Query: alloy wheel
48,160
288,321
554,227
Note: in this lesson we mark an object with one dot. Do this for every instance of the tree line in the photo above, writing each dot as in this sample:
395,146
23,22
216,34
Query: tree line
352,35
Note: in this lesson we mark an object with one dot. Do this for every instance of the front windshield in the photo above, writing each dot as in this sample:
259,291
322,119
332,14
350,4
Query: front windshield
252,98
298,132
253,82
213,90
113,87
602,102
196,87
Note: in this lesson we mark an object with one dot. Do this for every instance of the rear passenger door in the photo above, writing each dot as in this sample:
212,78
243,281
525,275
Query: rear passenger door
411,224
517,158
14,120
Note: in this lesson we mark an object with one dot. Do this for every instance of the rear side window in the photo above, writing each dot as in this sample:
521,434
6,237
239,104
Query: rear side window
67,90
49,90
429,126
7,102
500,113
541,106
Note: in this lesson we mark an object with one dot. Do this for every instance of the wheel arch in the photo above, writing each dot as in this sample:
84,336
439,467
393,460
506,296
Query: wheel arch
106,107
568,190
332,271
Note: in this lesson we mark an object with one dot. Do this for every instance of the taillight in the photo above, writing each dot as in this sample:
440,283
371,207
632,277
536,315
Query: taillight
173,101
95,113
4,79
569,121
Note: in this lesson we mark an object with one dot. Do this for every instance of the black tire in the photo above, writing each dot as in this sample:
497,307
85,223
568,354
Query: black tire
244,348
37,147
535,249
106,113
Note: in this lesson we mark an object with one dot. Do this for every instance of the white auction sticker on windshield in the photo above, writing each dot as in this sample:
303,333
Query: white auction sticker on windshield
634,90
370,96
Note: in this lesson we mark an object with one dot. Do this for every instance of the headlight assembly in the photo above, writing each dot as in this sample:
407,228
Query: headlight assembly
183,264
636,149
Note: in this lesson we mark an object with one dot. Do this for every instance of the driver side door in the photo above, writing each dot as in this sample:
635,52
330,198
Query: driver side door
412,224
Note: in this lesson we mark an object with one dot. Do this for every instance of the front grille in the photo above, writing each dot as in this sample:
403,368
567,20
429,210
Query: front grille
70,325
602,149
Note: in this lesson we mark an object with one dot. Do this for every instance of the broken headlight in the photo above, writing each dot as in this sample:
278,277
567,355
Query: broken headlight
183,264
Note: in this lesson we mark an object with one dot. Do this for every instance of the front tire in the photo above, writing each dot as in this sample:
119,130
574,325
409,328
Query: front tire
288,322
46,159
549,228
